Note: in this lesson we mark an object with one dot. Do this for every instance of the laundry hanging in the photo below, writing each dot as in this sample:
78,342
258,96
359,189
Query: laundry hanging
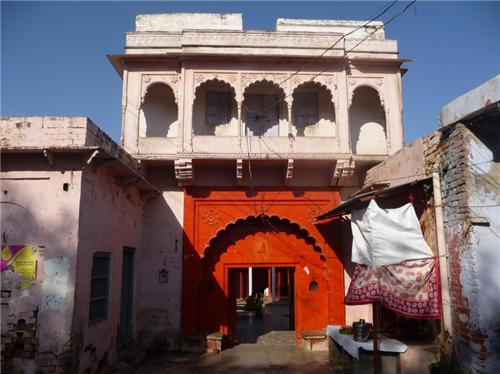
395,265
386,236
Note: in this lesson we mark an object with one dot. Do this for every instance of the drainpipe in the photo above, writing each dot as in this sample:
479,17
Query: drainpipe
443,255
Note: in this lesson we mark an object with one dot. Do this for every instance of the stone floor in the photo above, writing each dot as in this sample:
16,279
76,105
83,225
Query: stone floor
265,356
265,346
275,317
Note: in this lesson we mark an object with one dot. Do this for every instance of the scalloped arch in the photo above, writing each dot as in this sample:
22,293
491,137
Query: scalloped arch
225,237
368,85
208,80
263,80
158,83
313,83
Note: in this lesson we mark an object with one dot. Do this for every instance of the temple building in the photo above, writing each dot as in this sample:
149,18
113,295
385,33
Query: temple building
233,142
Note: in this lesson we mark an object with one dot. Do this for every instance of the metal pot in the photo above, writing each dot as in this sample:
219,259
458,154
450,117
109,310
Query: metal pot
361,330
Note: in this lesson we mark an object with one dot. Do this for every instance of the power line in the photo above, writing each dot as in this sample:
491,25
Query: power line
344,55
344,36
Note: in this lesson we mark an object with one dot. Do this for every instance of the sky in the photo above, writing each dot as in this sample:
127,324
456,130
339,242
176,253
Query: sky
53,54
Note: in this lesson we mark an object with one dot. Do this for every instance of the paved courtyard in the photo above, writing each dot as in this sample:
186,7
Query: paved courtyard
271,354
266,346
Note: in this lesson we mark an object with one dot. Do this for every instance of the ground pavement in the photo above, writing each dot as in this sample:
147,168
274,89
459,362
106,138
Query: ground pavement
274,352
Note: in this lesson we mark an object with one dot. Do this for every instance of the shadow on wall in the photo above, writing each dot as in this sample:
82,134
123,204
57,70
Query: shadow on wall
159,112
36,314
264,108
313,111
215,110
159,274
367,122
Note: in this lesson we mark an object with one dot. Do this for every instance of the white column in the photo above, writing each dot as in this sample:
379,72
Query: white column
250,282
273,283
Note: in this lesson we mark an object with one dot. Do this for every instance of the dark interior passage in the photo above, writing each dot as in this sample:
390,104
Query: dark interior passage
264,301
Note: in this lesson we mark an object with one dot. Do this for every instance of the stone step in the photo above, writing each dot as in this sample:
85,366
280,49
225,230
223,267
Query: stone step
314,340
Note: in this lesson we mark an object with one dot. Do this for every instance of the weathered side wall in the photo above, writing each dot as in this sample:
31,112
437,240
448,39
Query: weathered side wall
466,157
111,218
39,206
160,266
471,184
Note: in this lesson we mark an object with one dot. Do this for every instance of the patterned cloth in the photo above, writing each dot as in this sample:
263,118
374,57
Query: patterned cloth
410,288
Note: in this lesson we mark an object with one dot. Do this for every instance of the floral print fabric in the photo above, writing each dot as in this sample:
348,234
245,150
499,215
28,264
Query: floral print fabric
410,288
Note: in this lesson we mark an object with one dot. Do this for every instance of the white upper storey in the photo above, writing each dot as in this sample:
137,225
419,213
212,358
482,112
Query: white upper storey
223,34
199,86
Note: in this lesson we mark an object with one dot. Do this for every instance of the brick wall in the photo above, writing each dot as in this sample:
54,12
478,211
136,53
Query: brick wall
447,152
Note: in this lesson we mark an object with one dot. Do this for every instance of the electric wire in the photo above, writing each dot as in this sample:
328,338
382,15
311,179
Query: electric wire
384,10
403,10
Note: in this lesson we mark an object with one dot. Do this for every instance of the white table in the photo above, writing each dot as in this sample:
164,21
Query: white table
352,347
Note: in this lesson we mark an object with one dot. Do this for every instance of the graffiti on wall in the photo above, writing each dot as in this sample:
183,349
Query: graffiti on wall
22,260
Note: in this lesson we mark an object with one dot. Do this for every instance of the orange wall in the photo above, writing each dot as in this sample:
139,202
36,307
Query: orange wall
228,228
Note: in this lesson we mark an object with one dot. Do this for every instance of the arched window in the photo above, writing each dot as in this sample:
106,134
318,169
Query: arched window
159,112
263,109
215,110
313,286
367,122
313,111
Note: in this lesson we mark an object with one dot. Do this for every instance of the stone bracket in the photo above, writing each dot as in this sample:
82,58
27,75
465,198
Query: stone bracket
183,171
239,171
95,162
289,171
344,168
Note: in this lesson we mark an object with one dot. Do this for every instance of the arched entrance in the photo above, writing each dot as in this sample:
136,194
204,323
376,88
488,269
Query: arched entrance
262,241
282,235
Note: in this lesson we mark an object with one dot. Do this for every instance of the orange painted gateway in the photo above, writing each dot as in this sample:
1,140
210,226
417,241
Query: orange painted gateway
230,230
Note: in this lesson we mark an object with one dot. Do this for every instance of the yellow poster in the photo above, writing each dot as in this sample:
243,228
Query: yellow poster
24,262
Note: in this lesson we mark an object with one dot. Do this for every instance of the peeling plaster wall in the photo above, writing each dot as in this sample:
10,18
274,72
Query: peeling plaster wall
38,209
480,259
160,265
110,219
471,243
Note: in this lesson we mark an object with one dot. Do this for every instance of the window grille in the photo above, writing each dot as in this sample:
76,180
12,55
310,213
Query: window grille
99,287
218,108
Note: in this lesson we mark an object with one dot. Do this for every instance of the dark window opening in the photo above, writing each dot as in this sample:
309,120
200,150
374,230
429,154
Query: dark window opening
313,286
99,287
218,108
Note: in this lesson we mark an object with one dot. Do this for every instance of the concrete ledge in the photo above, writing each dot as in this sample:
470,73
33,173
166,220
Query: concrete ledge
314,340
214,342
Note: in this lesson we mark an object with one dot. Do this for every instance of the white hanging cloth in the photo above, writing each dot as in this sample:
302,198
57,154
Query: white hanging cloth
387,236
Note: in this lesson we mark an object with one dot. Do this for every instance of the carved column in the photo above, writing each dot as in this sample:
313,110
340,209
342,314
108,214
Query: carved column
241,127
342,113
290,118
186,142
388,123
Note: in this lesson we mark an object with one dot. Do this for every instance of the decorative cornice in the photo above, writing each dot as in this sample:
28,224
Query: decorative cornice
261,156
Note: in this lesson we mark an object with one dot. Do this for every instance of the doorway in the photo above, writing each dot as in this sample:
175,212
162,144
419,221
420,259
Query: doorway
261,300
127,292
